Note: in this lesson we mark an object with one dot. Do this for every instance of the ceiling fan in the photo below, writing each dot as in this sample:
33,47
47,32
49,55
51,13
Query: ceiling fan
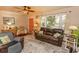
26,9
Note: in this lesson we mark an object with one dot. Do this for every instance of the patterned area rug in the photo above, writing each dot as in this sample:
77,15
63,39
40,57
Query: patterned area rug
32,45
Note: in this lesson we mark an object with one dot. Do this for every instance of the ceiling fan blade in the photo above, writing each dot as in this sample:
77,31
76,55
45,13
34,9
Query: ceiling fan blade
18,8
31,10
24,9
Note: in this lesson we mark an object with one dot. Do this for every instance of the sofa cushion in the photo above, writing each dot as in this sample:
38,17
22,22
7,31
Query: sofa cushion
4,39
56,35
48,33
41,32
10,35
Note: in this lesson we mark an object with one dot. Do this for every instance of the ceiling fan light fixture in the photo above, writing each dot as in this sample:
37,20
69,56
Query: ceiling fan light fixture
25,12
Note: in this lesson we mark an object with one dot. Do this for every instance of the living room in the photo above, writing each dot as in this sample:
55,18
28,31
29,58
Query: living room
30,23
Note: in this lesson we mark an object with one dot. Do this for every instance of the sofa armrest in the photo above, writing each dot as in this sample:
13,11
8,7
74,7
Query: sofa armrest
18,38
4,48
21,40
60,40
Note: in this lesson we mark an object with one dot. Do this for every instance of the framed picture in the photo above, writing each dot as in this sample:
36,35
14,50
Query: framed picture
8,20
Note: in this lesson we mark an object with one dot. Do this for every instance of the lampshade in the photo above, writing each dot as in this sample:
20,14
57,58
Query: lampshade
35,25
73,28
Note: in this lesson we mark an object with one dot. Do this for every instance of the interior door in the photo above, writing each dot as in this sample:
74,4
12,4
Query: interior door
31,25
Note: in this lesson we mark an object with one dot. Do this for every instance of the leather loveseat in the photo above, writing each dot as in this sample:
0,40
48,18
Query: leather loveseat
52,36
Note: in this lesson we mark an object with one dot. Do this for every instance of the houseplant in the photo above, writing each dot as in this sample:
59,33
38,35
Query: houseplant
76,34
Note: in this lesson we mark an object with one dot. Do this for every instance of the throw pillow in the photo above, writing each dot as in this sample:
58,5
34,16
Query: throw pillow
56,35
5,39
41,32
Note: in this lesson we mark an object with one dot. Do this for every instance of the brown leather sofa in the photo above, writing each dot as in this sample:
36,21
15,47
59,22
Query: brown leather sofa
49,36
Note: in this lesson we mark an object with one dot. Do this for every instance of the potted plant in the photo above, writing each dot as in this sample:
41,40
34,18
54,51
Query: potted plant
76,34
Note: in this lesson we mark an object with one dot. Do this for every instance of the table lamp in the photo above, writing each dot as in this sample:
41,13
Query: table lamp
72,28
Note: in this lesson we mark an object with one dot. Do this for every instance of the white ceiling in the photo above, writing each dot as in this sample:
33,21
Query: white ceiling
36,8
47,8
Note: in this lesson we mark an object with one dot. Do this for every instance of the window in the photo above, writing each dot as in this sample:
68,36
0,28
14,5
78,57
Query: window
43,21
50,21
53,21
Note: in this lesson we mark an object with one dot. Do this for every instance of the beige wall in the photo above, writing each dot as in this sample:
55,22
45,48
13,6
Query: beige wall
72,18
20,19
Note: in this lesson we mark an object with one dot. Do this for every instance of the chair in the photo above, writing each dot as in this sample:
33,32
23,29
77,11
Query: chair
15,46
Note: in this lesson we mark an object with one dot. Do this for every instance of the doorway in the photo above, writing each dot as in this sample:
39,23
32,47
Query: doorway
31,25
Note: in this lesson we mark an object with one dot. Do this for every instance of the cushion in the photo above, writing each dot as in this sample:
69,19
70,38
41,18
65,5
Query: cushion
48,33
4,39
56,35
41,32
